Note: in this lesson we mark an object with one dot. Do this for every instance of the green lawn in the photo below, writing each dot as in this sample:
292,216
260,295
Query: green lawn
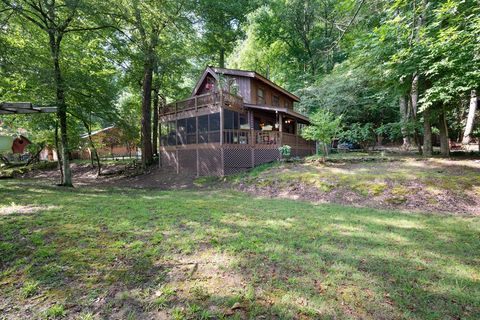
129,254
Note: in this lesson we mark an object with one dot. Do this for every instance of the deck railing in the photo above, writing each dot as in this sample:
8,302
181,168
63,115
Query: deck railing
267,137
203,100
236,136
294,140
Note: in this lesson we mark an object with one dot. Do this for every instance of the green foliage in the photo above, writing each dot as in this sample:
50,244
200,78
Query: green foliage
55,312
360,134
285,151
325,126
29,288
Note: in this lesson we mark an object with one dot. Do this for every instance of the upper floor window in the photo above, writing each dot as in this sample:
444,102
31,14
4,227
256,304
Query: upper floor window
288,104
210,85
260,96
276,101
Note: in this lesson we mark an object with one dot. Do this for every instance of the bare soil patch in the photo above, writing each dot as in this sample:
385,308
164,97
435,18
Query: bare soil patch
415,185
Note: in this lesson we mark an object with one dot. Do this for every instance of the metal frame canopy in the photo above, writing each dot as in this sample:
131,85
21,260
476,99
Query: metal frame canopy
23,108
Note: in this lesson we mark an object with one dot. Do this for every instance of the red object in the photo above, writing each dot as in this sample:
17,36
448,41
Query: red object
19,144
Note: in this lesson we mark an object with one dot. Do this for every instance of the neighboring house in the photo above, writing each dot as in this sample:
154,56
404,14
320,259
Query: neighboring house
12,144
223,131
109,142
48,154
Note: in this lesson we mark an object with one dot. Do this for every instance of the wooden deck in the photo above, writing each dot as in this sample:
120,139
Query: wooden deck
217,150
202,101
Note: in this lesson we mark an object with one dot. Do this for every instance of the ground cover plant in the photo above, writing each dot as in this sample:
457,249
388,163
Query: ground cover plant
97,253
379,180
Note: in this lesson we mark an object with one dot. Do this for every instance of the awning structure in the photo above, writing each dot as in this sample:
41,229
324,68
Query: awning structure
290,112
23,108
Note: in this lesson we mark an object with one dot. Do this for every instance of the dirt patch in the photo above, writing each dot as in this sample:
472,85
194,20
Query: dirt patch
118,175
405,184
412,185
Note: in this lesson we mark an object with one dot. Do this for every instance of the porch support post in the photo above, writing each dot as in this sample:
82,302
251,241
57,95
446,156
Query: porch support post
280,127
252,136
221,124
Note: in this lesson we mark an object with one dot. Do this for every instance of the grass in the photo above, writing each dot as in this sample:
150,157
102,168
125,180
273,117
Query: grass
397,180
117,253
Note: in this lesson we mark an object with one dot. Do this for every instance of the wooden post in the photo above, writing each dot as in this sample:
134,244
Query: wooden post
197,144
280,127
198,163
221,124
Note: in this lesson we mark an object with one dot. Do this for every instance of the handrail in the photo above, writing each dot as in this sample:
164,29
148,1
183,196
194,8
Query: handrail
267,137
236,136
210,98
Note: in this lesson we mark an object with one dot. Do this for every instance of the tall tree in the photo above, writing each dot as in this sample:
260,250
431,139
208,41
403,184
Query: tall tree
144,24
471,117
56,20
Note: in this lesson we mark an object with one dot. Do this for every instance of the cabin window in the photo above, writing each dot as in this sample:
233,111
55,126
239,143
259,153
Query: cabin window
192,130
276,101
244,122
288,104
256,124
260,96
210,85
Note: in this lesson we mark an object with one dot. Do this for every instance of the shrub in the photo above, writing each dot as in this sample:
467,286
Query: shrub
285,151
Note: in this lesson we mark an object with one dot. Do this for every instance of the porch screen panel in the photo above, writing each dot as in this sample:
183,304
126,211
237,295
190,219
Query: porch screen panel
203,129
171,133
214,127
181,131
191,130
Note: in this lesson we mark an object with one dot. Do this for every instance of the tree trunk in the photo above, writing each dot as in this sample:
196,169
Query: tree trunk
222,58
59,157
156,105
147,155
442,126
92,145
471,117
414,95
427,134
404,116
61,108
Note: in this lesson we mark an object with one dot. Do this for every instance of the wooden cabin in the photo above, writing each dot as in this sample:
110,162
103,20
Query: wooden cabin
234,120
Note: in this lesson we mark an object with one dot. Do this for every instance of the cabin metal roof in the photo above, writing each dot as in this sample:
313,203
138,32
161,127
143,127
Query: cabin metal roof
290,112
214,71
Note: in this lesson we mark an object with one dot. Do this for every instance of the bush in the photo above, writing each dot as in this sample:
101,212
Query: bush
363,135
285,151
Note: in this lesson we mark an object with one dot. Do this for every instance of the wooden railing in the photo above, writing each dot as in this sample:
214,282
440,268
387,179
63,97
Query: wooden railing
294,140
267,137
236,136
203,100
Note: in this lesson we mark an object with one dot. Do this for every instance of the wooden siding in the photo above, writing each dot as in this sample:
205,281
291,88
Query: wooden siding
269,92
244,87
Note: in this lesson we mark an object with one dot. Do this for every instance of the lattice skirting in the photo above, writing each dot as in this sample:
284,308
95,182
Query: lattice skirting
187,161
237,158
169,159
265,155
210,162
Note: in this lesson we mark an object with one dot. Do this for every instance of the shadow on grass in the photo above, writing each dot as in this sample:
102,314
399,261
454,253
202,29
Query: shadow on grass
110,252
